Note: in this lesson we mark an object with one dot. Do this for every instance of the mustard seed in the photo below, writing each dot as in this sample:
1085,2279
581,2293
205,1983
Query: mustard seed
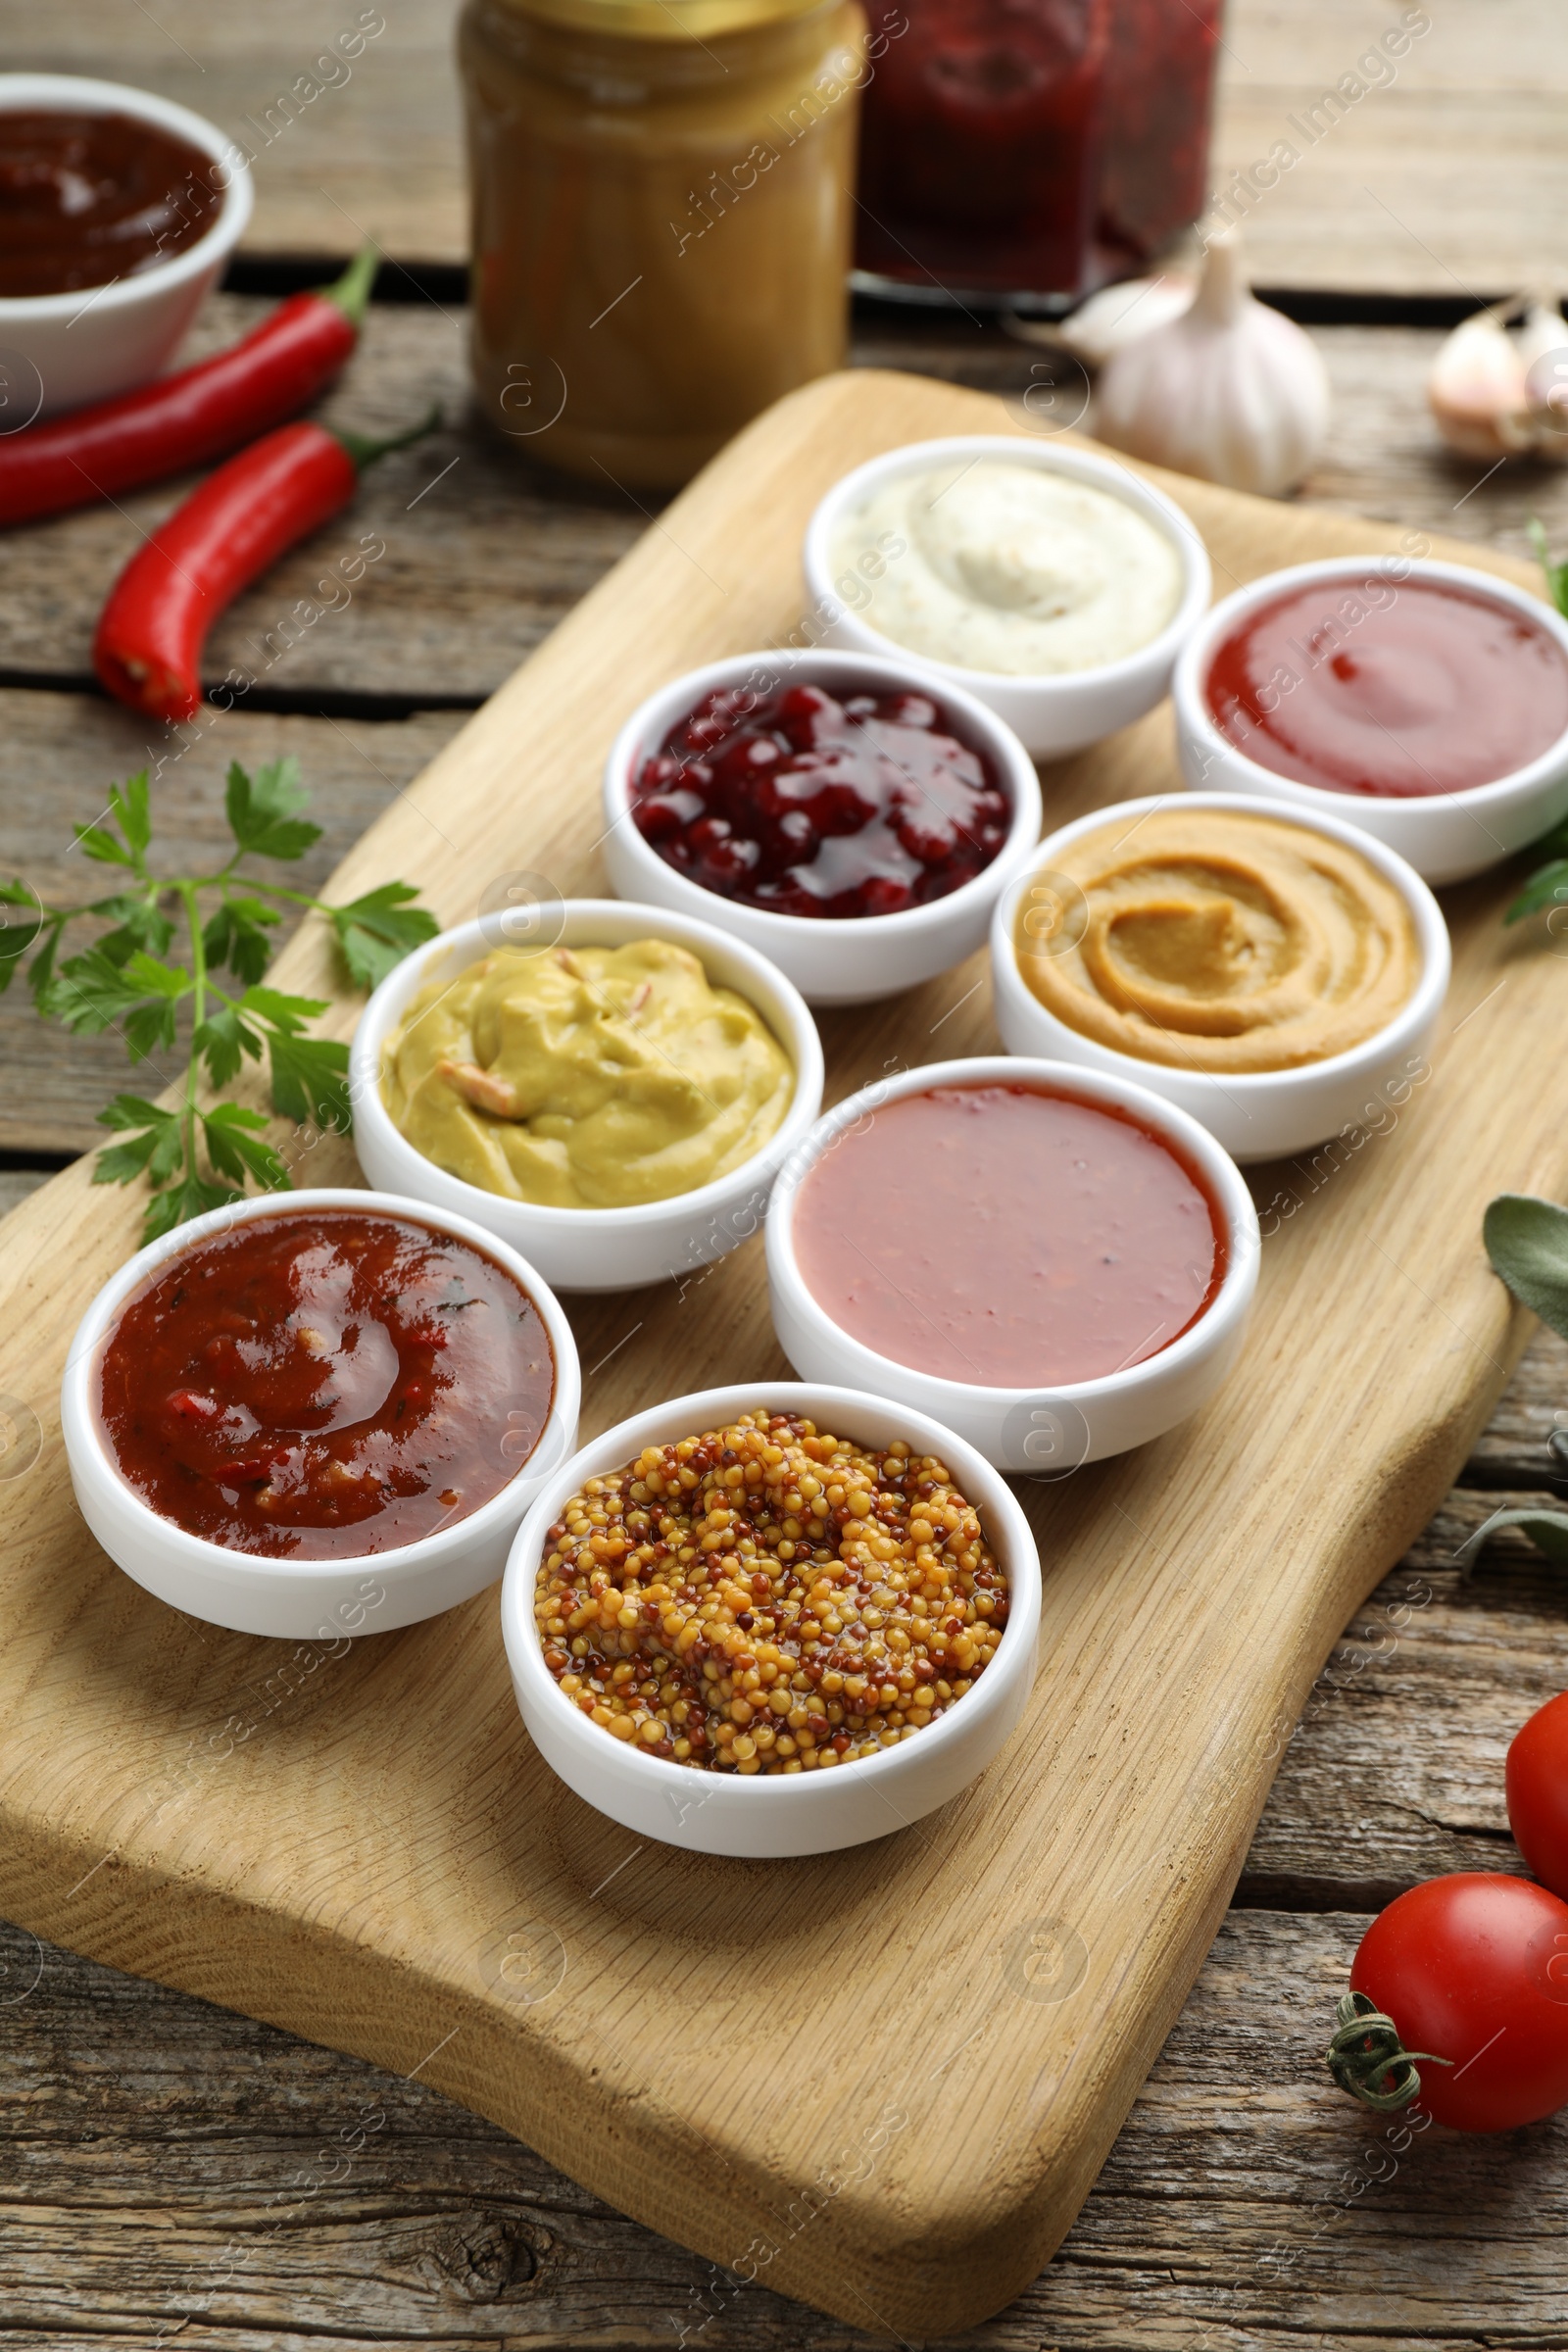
763,1575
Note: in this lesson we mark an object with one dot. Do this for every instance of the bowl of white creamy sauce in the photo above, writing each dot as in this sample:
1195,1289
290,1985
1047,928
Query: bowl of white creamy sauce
1057,586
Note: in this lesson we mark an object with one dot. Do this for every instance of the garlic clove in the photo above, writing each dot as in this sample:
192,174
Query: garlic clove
1230,390
1543,345
1111,318
1475,389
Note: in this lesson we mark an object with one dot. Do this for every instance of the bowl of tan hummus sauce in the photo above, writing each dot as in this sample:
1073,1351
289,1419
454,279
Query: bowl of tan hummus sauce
1209,940
584,1077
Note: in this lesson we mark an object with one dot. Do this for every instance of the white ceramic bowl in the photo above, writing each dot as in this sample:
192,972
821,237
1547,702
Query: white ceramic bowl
61,350
1050,1431
1053,716
592,1248
1266,1114
302,1599
847,962
761,1817
1445,836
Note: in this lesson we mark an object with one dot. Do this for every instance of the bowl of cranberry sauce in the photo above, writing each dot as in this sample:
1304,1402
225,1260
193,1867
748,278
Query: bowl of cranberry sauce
829,810
285,1405
1426,703
1061,1260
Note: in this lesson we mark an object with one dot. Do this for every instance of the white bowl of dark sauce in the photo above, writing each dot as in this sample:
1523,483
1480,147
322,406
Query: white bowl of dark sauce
1054,1262
843,905
122,212
315,1413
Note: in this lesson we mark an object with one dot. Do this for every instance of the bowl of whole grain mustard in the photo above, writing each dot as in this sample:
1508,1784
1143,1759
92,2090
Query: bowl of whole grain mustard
1275,973
773,1619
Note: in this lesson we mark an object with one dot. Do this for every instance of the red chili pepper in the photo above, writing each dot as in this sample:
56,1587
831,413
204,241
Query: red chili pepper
148,647
183,420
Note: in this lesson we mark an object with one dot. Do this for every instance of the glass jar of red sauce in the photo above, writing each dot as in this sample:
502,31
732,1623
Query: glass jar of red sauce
661,193
1031,147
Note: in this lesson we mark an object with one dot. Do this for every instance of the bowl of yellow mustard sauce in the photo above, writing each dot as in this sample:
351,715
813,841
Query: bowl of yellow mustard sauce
613,1095
1277,977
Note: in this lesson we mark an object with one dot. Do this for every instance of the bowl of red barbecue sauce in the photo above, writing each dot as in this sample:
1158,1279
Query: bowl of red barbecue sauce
323,1414
1052,1262
1426,703
827,808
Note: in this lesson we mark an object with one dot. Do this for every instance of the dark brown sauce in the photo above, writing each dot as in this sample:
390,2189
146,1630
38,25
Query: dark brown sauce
88,198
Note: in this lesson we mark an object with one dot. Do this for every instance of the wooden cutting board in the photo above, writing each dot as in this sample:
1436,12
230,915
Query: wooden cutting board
884,2080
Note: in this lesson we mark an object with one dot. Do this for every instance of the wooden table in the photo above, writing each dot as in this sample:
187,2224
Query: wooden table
172,2171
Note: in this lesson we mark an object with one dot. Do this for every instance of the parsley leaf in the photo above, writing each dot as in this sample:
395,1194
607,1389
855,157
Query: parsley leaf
90,993
191,1197
195,1157
264,811
288,1013
376,932
221,1038
1546,887
310,1079
236,936
133,811
1557,574
234,1147
156,1151
19,934
141,923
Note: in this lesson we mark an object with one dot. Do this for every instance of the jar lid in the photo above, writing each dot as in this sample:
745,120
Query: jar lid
664,19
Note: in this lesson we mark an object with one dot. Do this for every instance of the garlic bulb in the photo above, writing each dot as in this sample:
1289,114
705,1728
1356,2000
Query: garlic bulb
1495,394
1111,318
1231,390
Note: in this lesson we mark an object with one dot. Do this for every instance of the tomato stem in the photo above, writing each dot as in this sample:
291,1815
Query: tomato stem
1367,2058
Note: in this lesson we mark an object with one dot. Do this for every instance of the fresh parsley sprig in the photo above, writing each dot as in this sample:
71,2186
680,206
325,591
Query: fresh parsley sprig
197,1156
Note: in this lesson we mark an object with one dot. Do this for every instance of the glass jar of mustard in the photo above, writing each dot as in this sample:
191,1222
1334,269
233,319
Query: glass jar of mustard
662,193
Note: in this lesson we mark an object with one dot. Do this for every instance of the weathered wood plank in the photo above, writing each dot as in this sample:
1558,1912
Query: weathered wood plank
485,552
1512,1447
1394,1771
454,560
174,2172
59,754
1424,184
1370,203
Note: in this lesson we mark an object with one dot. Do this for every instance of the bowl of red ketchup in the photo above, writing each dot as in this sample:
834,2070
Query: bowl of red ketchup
1050,1261
319,1413
836,811
1424,703
119,211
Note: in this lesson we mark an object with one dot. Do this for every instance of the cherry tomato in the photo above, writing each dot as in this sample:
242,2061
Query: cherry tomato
1538,1793
1474,1969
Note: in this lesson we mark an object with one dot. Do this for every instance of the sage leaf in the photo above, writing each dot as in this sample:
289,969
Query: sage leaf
1547,1530
1527,1241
